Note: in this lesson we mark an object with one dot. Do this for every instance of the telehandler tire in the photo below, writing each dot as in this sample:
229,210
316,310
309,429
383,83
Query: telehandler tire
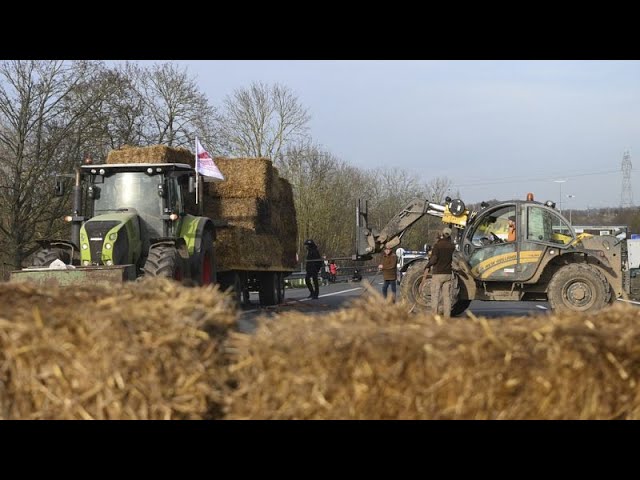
578,287
410,288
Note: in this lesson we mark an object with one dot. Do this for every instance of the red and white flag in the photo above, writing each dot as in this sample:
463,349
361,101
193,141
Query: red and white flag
205,165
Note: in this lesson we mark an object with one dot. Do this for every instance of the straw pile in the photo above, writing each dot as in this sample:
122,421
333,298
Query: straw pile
152,154
375,361
258,205
145,350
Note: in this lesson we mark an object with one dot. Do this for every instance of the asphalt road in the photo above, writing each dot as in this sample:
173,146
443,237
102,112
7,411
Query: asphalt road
339,295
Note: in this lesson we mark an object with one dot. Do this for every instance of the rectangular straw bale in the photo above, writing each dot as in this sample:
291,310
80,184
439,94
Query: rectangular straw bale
149,350
377,361
245,177
151,154
242,248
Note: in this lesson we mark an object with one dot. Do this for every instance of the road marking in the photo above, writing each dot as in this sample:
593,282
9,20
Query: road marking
629,301
337,293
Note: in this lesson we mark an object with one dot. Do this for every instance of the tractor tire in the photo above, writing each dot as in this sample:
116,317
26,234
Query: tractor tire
206,270
269,288
459,307
578,288
410,288
164,261
46,256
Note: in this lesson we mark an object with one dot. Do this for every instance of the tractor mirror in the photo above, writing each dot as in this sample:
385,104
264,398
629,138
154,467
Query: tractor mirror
192,184
59,187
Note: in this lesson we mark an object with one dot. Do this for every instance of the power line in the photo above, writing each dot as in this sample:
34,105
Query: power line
529,179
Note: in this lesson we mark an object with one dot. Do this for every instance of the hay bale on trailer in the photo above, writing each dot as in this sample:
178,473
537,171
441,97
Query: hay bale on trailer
151,154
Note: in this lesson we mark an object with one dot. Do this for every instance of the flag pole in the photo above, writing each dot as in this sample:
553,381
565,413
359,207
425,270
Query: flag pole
197,176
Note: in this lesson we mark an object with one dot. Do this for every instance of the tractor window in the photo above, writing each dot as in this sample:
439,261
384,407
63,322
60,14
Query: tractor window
544,225
493,228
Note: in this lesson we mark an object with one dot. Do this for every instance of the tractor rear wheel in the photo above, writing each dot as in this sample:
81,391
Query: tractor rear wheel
206,271
578,287
164,261
46,256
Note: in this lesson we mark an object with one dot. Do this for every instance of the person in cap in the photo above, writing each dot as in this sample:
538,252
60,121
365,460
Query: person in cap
441,274
511,229
389,267
314,263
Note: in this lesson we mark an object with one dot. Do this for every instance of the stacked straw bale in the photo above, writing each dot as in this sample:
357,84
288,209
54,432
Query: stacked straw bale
152,154
258,205
146,350
375,361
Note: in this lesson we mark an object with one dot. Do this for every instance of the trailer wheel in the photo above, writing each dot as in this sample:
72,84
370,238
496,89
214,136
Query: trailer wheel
164,261
410,288
281,287
46,256
206,271
269,288
578,287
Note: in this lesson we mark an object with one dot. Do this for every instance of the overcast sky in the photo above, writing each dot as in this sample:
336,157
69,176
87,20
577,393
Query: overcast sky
497,129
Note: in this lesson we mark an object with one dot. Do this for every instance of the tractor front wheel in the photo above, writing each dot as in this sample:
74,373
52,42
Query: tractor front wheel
46,256
164,261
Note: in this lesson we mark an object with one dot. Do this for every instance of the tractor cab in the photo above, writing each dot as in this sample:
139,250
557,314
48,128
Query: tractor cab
506,242
133,205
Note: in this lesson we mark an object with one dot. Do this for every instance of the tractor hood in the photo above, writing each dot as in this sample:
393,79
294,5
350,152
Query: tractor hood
110,239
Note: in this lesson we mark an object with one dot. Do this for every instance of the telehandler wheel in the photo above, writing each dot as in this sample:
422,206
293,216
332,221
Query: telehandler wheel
459,307
410,288
164,261
46,256
578,287
207,269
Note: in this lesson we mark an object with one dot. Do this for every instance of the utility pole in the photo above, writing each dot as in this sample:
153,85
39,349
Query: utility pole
626,198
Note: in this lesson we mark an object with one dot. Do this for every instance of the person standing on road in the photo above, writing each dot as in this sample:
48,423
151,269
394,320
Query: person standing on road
441,273
389,267
333,271
314,263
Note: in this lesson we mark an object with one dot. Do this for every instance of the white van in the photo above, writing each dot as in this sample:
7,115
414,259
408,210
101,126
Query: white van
405,257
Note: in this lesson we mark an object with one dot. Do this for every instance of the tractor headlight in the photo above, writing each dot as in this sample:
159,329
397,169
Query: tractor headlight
85,246
113,237
107,246
109,263
86,263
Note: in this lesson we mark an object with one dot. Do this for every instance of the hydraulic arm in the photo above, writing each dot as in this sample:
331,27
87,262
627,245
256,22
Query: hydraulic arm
369,240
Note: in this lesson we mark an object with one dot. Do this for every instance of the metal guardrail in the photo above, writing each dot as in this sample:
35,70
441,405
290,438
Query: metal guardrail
296,279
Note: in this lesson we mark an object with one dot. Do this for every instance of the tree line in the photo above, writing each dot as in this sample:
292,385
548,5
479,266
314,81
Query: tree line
55,114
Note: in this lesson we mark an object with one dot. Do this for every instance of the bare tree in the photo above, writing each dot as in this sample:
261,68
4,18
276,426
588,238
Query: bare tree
41,105
261,120
176,110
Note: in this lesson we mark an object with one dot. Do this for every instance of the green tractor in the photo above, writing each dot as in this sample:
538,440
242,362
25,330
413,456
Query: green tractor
136,216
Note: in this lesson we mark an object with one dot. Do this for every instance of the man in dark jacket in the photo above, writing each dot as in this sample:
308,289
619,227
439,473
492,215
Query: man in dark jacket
314,263
441,273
